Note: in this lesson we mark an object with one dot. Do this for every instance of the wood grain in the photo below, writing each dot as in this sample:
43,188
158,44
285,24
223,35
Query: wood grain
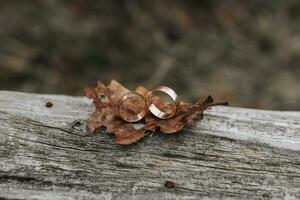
234,153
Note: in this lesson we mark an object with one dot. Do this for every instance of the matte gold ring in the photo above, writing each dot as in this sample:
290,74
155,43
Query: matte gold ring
133,116
157,111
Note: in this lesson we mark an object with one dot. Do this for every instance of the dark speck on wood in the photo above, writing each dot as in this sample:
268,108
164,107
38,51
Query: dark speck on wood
49,104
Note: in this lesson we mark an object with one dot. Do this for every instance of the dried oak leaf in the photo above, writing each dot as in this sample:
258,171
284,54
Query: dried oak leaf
106,98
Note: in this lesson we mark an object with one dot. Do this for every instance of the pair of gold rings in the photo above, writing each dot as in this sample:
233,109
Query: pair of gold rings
134,106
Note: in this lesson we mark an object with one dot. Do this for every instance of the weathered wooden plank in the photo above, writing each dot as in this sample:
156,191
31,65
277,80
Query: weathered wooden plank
234,153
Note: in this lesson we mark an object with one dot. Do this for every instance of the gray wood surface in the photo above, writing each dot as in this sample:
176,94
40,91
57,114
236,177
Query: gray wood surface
233,153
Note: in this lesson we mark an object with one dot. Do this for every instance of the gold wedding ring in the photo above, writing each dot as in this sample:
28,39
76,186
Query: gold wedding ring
135,111
160,112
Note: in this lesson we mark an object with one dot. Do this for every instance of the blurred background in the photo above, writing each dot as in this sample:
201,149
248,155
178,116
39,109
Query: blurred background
244,52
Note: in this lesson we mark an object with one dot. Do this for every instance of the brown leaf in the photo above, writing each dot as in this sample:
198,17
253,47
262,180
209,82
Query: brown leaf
106,98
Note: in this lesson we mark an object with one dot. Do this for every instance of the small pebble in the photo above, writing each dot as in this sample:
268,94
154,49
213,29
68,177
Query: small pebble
49,104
